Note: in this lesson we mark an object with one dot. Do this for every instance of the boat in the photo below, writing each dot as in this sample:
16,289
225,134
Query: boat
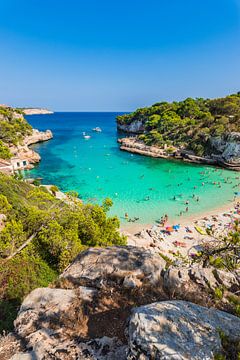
97,129
86,137
200,230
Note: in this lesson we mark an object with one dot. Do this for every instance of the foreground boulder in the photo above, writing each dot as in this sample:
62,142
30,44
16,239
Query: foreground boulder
129,266
179,330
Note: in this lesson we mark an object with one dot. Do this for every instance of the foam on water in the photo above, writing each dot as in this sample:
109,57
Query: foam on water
141,186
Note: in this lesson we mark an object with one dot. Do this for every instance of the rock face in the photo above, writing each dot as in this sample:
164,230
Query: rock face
38,136
179,330
136,127
228,147
88,315
23,151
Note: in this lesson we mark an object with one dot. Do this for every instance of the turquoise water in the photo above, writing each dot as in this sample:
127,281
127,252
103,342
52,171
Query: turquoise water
143,187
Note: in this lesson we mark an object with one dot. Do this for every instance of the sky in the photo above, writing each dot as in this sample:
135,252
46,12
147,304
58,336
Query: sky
117,55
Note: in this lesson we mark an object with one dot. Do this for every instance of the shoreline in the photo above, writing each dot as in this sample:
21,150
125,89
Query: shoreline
132,228
135,146
191,235
36,111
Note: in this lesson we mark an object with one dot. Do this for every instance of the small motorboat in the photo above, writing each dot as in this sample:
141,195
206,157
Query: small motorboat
97,129
87,137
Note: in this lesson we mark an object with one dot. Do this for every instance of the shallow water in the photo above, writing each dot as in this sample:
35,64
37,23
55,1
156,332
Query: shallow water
141,186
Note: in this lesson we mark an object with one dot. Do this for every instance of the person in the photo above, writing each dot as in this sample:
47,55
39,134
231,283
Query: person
126,215
187,209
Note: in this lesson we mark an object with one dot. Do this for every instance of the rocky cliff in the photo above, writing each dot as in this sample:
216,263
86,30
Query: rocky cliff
135,127
123,303
22,151
225,151
36,111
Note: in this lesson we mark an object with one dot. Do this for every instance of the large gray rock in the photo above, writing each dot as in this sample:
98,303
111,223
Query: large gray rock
45,305
117,264
179,330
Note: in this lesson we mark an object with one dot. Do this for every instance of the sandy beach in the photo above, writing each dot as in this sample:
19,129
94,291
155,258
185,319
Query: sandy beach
183,237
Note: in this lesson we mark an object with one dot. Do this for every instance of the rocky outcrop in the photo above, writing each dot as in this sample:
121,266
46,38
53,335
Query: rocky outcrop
198,284
36,111
38,136
179,330
23,152
127,266
227,152
227,148
133,145
99,309
135,127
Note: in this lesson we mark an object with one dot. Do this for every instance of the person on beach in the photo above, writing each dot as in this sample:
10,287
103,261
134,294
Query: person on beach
126,215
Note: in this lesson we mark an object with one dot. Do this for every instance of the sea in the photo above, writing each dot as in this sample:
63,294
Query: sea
144,188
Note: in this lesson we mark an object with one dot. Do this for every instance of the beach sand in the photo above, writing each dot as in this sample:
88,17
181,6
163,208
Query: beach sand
182,241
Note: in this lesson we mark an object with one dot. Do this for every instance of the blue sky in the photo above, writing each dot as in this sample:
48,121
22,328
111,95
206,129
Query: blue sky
116,55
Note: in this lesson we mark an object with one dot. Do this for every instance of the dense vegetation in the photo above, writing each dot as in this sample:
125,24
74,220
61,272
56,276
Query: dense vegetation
187,124
13,128
41,235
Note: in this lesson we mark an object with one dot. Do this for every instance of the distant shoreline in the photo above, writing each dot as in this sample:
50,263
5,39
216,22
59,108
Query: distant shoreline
36,111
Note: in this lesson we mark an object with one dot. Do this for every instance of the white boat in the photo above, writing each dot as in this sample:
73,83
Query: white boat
97,129
86,137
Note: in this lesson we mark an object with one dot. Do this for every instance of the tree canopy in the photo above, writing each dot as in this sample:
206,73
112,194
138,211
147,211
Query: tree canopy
42,235
187,124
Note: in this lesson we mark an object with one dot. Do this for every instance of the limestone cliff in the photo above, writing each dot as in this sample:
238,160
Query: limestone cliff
23,152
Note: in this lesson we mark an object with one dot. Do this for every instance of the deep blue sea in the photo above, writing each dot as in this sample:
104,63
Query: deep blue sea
143,187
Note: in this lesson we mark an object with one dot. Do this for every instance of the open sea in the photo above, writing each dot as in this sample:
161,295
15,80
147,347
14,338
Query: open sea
143,187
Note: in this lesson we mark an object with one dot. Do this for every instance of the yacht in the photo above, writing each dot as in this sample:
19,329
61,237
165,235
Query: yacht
97,129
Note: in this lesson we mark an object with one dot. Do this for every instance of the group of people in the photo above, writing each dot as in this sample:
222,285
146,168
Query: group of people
164,220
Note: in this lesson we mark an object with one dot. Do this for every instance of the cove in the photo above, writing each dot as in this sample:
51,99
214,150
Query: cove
143,187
